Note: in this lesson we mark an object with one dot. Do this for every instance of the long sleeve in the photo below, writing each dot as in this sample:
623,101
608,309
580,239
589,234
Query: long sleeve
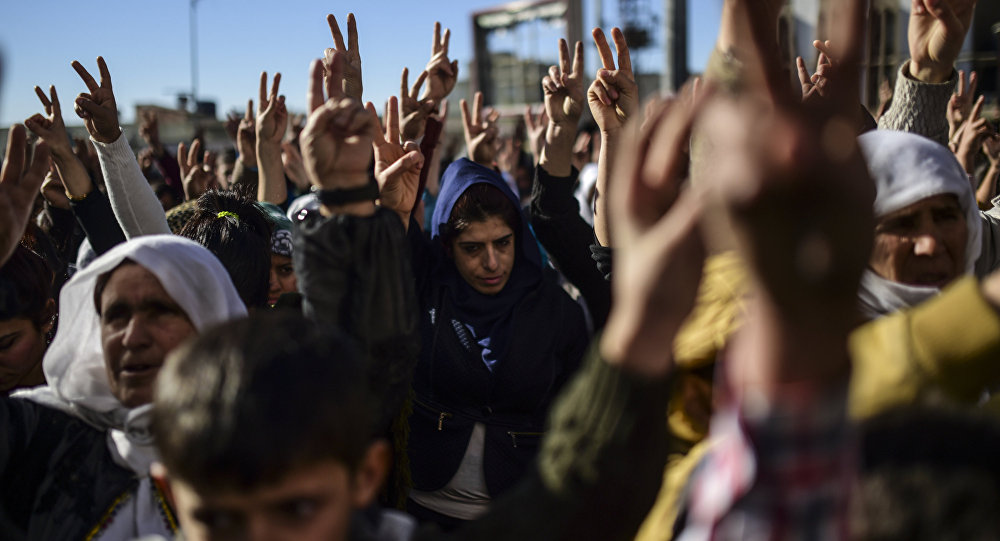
354,274
598,469
556,221
919,107
135,205
95,216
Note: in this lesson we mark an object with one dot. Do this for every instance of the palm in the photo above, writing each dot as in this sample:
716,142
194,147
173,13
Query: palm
566,104
937,42
273,124
399,190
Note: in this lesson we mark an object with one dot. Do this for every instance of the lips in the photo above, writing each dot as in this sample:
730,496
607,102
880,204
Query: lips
138,369
492,281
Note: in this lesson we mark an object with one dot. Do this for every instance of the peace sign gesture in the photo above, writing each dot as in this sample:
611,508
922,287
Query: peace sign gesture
397,167
613,95
441,74
480,133
97,106
272,116
564,88
351,72
51,127
413,111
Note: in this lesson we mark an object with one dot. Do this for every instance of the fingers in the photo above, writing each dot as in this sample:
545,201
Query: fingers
824,47
417,84
44,99
85,107
477,108
412,160
274,87
182,159
804,79
56,108
249,114
262,102
338,38
392,120
85,75
404,86
352,33
466,117
973,81
961,84
529,121
603,49
578,60
40,161
563,58
192,158
335,79
37,124
314,94
444,41
624,59
13,162
105,74
977,108
370,107
598,90
444,109
436,45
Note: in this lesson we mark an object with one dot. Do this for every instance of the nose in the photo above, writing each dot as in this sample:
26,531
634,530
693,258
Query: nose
490,262
927,243
275,285
136,333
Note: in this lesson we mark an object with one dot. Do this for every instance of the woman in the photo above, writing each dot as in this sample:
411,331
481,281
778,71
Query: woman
283,280
928,230
499,338
76,452
27,317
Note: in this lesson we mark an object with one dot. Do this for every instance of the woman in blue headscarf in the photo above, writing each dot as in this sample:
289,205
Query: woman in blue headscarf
500,338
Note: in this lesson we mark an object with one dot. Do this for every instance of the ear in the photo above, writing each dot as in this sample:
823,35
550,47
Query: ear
371,473
158,473
48,314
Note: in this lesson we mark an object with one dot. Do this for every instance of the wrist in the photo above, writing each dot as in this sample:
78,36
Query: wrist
930,72
342,180
108,139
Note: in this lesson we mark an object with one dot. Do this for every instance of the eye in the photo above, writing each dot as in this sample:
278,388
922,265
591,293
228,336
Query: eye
286,270
8,341
300,508
900,224
217,521
947,215
502,243
470,249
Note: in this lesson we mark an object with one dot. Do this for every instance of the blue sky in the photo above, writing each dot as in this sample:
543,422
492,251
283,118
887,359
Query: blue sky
146,45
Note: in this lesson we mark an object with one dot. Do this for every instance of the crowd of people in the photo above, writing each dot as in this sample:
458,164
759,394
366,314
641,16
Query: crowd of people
749,310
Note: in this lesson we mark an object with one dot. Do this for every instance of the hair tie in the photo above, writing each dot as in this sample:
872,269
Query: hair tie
224,213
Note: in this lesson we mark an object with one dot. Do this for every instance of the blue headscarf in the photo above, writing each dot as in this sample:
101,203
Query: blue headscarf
486,317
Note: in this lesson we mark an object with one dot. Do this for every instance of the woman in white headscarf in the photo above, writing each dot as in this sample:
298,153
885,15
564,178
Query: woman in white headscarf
75,459
929,228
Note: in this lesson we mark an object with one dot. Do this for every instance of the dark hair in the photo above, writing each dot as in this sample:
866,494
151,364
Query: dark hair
238,232
478,203
25,286
249,401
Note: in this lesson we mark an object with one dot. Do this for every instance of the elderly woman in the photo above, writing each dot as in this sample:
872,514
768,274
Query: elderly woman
929,229
75,457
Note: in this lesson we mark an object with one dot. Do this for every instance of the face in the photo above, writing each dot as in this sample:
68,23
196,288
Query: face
22,346
484,254
922,244
282,278
313,503
140,324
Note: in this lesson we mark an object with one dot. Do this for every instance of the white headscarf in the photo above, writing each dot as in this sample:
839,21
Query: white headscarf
77,381
908,168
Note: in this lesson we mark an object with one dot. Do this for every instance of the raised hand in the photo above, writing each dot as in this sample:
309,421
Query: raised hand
812,85
960,104
480,132
613,96
535,127
397,167
97,106
337,140
564,98
936,31
413,111
18,187
232,124
971,136
195,177
246,138
74,178
441,74
272,116
291,161
658,249
149,130
988,187
350,78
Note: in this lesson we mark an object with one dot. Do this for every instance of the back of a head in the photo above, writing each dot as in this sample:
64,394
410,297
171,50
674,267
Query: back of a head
252,400
927,474
239,234
25,286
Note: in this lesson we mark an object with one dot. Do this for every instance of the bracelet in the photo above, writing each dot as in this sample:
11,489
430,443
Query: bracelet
77,198
343,196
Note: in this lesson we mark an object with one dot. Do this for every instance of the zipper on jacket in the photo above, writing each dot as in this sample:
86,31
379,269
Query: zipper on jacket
441,420
514,435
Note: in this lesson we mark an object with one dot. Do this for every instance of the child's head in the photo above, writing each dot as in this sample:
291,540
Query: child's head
264,426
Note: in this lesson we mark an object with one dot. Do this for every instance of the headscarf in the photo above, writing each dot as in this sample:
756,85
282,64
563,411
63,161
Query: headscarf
74,363
487,317
281,237
908,168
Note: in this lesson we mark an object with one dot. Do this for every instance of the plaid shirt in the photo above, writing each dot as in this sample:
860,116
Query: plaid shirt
782,470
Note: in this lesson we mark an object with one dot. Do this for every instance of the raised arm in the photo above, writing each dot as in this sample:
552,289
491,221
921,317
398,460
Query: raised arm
613,98
350,80
19,186
135,205
272,122
480,131
397,167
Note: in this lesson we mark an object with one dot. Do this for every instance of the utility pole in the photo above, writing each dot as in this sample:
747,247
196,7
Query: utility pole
194,53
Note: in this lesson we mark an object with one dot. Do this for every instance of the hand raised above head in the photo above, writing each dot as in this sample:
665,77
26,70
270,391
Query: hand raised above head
196,177
563,87
350,77
50,128
441,74
414,112
613,96
960,104
272,115
18,187
246,137
97,106
337,140
397,167
480,132
937,29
